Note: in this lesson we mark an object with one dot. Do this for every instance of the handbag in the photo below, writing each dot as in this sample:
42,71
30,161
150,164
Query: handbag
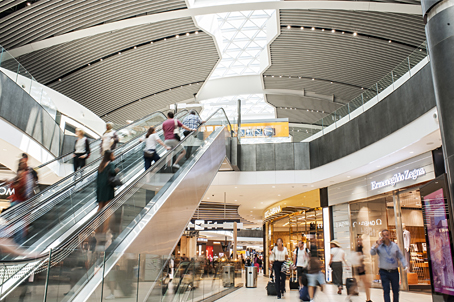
176,132
149,153
114,181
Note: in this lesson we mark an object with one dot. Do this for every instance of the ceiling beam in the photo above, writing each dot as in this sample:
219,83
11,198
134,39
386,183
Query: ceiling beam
191,12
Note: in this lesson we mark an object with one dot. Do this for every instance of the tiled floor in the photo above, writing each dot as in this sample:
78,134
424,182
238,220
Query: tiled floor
259,294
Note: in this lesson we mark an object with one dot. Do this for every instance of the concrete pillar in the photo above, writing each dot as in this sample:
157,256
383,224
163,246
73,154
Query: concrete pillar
439,18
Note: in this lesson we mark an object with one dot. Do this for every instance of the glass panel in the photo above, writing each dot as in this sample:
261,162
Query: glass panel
385,82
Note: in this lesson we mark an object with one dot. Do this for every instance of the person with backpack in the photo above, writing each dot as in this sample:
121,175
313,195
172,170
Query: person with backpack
81,150
301,260
172,136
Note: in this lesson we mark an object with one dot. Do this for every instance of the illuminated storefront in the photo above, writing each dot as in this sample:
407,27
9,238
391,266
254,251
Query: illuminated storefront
387,199
293,219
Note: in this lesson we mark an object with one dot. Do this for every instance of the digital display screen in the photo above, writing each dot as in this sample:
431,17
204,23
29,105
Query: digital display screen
436,221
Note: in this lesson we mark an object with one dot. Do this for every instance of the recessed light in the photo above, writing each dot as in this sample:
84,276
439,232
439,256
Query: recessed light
378,166
119,52
288,26
208,197
261,202
302,27
135,47
355,34
389,41
254,207
236,200
348,176
313,28
236,187
196,32
343,32
101,60
177,36
411,152
333,30
187,34
28,4
323,29
273,186
5,150
59,80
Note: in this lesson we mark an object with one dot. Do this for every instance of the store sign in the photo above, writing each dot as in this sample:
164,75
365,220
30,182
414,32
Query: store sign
200,225
6,191
368,223
398,177
273,211
202,240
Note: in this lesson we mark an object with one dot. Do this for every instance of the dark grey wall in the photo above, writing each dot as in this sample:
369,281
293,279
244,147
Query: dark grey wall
414,98
407,103
270,157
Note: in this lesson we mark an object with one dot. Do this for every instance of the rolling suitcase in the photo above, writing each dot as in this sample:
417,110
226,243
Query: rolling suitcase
294,284
271,287
351,285
304,293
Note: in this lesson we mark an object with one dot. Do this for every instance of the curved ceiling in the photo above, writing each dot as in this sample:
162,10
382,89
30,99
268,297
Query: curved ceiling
117,73
316,59
23,24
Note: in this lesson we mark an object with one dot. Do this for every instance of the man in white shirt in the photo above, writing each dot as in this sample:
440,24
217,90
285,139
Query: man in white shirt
301,259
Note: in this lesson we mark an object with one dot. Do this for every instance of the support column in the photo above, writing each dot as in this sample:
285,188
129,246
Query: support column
400,237
439,18
235,236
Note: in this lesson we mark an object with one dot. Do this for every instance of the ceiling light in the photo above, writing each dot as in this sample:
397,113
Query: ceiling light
151,42
100,60
88,64
59,80
299,77
272,76
28,4
355,34
378,166
288,26
280,76
362,88
165,39
323,29
135,47
236,200
177,36
236,187
343,32
331,82
119,52
251,212
254,207
265,76
411,152
196,32
348,176
289,77
313,28
333,30
389,41
187,34
302,27
279,195
313,79
208,197
261,202
273,186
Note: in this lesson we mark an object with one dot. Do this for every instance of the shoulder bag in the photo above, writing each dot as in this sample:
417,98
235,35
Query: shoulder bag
176,132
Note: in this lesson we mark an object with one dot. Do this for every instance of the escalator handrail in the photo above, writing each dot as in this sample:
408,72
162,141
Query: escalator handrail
93,142
13,219
69,240
20,206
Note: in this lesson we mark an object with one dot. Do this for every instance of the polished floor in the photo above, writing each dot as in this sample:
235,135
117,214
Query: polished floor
330,295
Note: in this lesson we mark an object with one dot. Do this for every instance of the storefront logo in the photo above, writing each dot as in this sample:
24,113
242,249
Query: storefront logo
273,211
6,191
200,225
368,223
399,177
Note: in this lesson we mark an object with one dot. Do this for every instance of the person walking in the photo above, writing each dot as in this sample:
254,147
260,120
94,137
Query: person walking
337,257
104,191
193,122
361,271
314,272
149,152
171,136
109,139
301,260
279,256
388,256
81,150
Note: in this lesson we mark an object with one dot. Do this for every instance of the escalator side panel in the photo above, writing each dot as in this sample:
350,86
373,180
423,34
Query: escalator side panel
160,235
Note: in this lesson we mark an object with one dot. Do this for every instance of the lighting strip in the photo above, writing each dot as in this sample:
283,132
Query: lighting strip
302,109
312,79
345,32
122,51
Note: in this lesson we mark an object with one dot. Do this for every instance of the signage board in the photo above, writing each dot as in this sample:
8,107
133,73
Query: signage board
273,211
213,225
398,177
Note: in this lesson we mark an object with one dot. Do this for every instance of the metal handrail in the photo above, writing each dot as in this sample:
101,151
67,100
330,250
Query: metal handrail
66,244
21,205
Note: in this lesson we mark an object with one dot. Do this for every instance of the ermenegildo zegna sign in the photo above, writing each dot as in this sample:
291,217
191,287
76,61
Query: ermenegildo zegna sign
404,174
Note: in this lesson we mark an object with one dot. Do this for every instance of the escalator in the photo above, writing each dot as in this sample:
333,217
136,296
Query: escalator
147,217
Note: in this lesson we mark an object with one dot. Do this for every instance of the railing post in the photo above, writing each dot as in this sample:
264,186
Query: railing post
409,66
392,77
138,276
17,72
362,101
47,276
102,276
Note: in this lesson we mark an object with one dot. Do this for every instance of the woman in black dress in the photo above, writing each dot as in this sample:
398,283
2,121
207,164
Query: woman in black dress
104,191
